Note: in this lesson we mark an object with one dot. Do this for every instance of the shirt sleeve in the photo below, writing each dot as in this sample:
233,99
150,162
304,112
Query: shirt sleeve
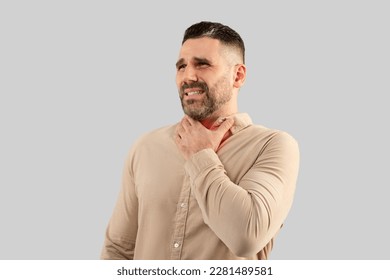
247,215
121,231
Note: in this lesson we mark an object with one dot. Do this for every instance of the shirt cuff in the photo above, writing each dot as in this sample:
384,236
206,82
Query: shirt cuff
201,161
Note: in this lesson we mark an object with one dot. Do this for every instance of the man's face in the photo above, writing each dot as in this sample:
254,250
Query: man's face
204,78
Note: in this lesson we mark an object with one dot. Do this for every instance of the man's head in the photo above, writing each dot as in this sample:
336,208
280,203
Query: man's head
210,70
220,32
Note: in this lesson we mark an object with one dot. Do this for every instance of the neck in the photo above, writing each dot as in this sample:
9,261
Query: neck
209,122
226,110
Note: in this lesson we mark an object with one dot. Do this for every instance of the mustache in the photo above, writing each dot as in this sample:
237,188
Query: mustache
203,86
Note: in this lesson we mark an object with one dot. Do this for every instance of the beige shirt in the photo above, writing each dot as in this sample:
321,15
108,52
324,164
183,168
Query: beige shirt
228,204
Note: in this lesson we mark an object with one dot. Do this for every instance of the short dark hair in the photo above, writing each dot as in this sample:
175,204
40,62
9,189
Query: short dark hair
218,31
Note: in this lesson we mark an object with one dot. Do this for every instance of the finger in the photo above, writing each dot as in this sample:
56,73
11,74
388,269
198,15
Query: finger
178,140
178,134
179,130
186,124
191,121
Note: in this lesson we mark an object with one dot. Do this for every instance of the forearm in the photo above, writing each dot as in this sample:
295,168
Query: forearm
117,249
247,214
121,231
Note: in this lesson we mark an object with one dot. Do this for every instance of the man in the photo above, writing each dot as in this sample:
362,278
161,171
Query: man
213,186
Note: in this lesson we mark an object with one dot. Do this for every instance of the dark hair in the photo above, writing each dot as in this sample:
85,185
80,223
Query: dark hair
217,31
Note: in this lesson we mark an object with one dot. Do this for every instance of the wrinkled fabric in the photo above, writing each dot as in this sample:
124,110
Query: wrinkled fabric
228,204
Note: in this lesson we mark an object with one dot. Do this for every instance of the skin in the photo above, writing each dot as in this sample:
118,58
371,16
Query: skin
208,62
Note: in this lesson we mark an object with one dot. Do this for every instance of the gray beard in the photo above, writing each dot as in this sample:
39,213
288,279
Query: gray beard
208,106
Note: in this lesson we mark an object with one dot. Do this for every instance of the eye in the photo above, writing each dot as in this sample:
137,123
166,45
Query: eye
181,67
203,64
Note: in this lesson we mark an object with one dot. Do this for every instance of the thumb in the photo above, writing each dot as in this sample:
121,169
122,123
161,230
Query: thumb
225,126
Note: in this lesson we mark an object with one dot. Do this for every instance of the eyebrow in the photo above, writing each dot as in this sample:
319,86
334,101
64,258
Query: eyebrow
196,59
201,60
179,62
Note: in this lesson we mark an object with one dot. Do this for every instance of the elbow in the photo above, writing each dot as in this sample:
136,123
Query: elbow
254,239
114,253
248,247
117,249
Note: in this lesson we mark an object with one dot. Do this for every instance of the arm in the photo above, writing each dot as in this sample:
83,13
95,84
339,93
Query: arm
247,215
121,231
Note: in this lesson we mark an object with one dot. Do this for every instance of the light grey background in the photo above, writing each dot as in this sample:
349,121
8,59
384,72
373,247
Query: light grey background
81,80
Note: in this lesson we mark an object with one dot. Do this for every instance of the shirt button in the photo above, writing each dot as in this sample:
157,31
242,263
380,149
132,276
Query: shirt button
176,245
183,205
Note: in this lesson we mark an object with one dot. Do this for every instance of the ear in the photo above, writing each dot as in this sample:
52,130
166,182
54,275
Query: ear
239,75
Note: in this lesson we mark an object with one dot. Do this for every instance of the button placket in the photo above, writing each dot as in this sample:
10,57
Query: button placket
180,220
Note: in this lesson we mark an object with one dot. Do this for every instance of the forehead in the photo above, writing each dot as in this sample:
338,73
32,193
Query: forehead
201,47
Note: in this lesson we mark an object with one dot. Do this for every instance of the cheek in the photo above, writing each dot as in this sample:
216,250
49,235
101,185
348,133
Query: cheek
178,80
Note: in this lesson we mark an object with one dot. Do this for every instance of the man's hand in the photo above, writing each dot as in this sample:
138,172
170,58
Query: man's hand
191,136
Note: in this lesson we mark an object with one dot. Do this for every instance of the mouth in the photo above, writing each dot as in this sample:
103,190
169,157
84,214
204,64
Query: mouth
193,92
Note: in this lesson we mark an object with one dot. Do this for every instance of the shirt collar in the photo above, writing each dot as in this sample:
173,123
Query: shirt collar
241,121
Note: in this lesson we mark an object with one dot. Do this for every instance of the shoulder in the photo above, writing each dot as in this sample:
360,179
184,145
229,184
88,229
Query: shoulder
248,129
280,145
154,139
161,132
271,138
156,136
262,131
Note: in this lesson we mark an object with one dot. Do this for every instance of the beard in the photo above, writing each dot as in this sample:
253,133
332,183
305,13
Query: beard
213,99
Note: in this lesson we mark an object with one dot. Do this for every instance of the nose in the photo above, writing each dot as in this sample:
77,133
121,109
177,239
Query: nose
190,75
